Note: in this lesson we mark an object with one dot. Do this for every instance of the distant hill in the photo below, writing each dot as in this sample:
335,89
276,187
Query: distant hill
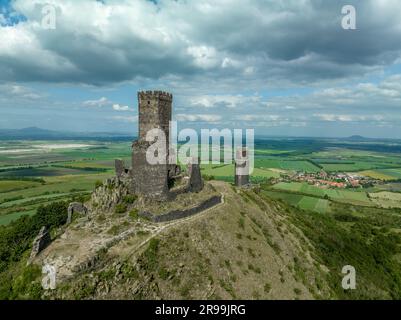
34,133
357,138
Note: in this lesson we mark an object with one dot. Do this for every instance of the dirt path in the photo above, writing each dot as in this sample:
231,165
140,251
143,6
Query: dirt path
169,225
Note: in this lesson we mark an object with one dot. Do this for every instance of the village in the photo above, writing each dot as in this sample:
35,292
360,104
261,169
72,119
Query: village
334,180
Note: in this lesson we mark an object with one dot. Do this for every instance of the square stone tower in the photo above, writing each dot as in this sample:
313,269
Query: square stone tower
151,180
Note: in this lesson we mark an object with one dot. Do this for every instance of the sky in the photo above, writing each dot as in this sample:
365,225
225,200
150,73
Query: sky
283,67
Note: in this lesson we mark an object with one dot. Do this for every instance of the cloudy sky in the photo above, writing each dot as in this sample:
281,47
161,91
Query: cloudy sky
282,67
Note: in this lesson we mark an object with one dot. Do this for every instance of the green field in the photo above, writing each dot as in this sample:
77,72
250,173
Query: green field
33,173
283,164
30,177
226,172
341,195
302,202
13,185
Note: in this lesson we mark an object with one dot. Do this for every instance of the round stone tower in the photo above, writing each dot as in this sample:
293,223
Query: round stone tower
151,180
154,112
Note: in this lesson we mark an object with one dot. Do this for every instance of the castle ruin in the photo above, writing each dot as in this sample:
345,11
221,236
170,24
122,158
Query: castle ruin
242,167
154,180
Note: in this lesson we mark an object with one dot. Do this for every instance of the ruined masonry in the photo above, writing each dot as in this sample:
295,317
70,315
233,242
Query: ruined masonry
153,180
242,167
39,243
195,183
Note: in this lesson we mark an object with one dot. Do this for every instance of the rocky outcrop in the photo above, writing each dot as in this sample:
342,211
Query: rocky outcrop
76,207
41,241
107,196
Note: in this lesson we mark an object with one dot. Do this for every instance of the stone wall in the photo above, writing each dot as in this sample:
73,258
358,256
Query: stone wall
195,183
76,207
180,214
148,180
39,243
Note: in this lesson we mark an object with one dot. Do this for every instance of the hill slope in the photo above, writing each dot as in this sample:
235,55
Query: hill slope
244,248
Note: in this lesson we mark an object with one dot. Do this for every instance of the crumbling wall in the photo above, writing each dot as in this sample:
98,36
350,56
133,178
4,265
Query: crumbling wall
39,243
195,183
180,214
76,207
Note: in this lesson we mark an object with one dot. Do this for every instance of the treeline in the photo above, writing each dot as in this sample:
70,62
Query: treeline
29,179
17,237
18,281
82,168
22,168
368,244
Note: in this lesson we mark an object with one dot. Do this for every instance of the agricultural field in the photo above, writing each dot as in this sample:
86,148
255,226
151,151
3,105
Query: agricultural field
386,199
286,164
226,172
302,202
356,197
34,173
375,174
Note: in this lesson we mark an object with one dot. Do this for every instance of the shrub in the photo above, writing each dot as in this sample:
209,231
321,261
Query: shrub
241,223
129,199
150,254
134,213
120,208
98,184
297,291
114,230
208,177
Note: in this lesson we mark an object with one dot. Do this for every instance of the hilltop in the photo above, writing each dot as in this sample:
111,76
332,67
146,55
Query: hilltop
244,248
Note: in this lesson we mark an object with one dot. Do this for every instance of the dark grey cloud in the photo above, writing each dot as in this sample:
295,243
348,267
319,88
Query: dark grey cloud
251,42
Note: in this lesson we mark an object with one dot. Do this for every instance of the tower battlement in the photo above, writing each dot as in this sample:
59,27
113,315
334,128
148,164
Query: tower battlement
151,95
154,112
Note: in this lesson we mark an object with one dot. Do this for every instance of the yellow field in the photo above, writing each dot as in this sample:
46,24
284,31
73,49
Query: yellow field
376,175
386,199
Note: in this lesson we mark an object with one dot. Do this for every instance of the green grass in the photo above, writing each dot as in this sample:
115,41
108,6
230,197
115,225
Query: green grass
282,164
15,185
4,220
350,196
299,201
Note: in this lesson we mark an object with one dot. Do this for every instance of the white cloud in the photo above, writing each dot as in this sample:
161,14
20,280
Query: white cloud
198,117
103,101
350,117
228,101
118,107
126,118
16,91
204,57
